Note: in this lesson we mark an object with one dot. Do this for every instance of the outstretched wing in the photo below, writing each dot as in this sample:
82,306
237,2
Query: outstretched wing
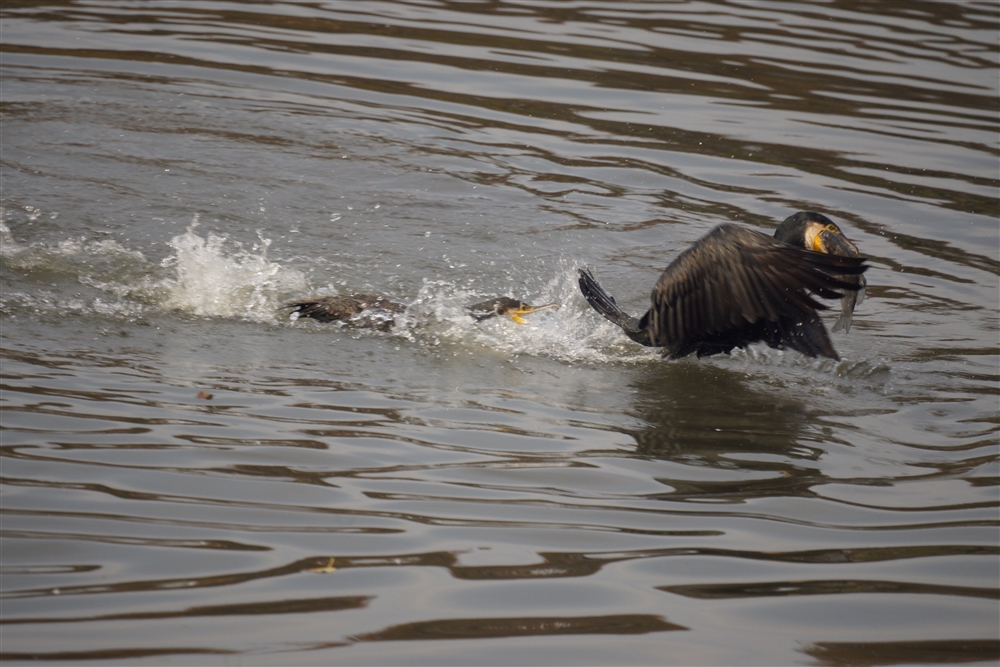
736,286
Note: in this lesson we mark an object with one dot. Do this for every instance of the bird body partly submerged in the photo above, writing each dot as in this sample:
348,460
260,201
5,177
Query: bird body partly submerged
735,286
366,310
377,312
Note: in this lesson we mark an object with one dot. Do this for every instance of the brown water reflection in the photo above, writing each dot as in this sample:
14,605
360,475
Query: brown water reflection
301,606
114,654
829,587
920,652
484,628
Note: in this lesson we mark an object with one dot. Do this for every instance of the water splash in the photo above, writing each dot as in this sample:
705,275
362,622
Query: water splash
8,247
206,276
571,333
210,281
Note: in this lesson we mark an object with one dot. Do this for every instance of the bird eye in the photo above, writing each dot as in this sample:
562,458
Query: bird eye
832,228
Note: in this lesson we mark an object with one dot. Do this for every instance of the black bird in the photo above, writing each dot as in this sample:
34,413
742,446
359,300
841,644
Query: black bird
377,312
735,287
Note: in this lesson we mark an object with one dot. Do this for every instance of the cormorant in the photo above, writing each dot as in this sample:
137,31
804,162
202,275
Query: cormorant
735,286
370,310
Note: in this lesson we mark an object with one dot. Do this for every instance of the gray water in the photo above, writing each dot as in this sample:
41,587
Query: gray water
192,477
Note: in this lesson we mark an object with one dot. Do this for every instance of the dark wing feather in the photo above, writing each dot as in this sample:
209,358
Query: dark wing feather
326,309
736,286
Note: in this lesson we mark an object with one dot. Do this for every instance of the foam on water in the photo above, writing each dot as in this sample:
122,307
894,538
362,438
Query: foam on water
50,269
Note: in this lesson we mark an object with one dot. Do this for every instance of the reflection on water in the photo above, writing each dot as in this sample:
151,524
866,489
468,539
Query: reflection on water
190,476
932,652
777,589
698,413
481,628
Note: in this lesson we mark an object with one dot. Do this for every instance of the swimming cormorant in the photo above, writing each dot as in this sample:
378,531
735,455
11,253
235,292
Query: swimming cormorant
370,310
735,286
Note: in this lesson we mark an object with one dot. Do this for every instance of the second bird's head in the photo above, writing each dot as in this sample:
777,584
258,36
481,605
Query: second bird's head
505,305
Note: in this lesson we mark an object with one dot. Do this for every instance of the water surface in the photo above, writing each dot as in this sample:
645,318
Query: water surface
192,477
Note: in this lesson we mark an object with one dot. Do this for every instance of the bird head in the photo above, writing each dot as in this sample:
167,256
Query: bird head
816,232
505,305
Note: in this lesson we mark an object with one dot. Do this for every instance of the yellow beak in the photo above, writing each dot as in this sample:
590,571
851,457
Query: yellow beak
525,309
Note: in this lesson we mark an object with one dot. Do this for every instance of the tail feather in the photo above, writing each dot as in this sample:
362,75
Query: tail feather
602,302
606,305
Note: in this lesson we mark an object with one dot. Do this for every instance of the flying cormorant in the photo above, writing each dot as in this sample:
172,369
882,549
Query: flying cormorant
370,310
735,286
